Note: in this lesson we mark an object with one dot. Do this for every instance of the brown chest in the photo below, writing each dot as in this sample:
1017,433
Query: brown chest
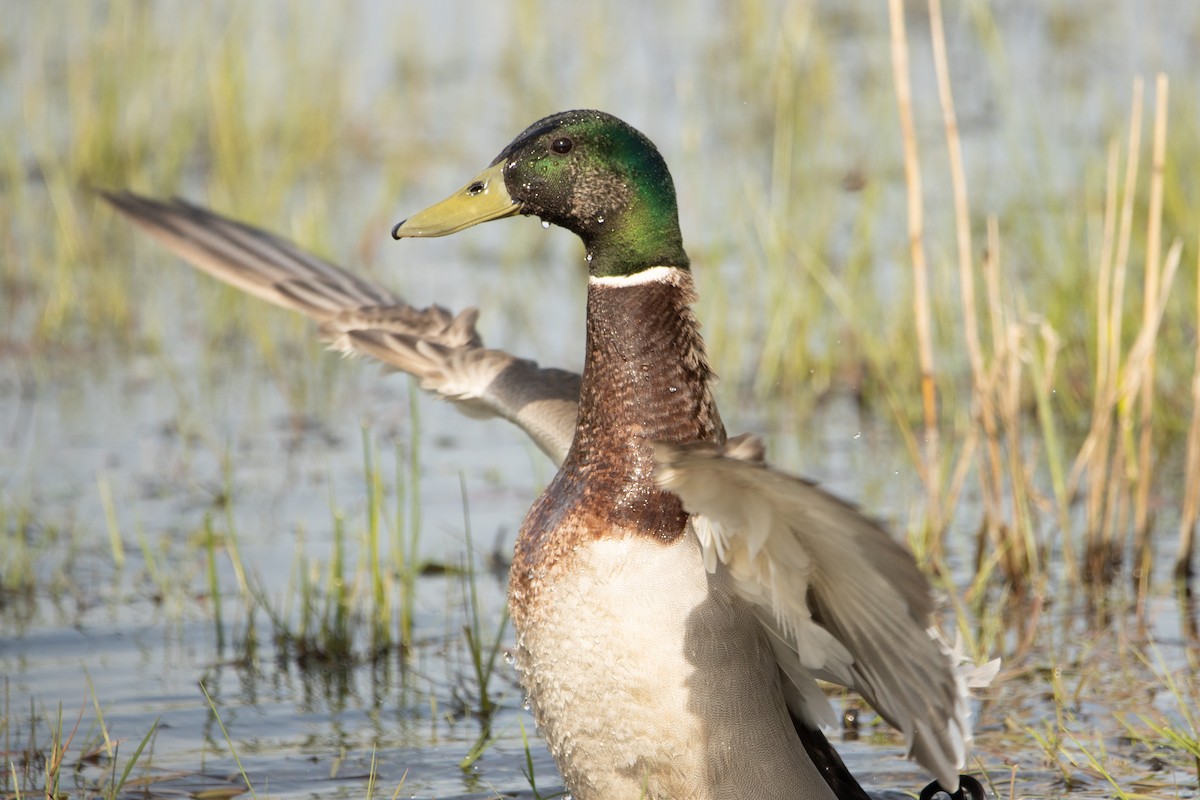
645,380
580,506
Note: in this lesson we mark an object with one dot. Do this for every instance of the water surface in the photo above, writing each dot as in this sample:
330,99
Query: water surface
196,420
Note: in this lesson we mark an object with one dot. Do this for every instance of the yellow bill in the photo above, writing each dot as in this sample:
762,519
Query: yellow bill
484,198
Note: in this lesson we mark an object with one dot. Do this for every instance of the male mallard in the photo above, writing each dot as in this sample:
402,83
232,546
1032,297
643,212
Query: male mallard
675,599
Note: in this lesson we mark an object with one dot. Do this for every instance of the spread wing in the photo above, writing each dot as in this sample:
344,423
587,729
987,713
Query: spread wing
443,350
841,599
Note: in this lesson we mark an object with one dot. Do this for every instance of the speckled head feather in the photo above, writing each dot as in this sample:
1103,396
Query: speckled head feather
600,178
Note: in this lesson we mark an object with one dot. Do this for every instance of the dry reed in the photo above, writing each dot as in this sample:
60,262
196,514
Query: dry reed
930,464
1020,358
1095,454
1142,560
1191,474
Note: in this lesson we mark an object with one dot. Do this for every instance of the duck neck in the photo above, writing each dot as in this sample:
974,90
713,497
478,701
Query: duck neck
645,379
644,233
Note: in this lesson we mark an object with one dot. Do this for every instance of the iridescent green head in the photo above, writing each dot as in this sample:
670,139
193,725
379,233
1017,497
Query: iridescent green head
585,171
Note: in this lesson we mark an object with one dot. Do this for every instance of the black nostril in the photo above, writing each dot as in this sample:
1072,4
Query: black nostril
477,187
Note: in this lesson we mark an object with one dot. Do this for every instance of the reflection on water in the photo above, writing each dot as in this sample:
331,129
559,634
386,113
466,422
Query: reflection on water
197,426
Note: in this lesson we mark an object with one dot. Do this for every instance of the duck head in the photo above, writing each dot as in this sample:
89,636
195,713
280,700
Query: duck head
585,171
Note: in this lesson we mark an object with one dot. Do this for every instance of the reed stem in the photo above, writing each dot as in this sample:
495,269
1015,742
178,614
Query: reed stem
930,471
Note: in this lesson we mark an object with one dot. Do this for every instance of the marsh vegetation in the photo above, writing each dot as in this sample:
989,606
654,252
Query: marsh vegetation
947,263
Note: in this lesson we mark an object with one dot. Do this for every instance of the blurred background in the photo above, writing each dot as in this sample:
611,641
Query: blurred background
193,494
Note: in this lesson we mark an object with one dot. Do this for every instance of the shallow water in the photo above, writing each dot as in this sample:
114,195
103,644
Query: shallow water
188,422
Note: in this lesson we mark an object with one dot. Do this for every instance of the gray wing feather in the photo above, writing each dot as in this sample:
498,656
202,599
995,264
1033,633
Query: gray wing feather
843,601
443,350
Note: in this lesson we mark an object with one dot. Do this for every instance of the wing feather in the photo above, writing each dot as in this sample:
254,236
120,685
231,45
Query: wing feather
842,600
443,350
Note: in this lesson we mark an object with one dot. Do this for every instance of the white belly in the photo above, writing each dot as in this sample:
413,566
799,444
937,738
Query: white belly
647,684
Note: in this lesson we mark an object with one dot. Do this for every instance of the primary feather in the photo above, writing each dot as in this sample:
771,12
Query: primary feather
441,349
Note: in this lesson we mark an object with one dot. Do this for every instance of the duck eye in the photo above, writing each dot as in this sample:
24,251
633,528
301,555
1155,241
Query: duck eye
562,146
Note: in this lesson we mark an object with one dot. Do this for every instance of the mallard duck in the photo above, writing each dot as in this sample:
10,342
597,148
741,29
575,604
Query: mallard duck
675,599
